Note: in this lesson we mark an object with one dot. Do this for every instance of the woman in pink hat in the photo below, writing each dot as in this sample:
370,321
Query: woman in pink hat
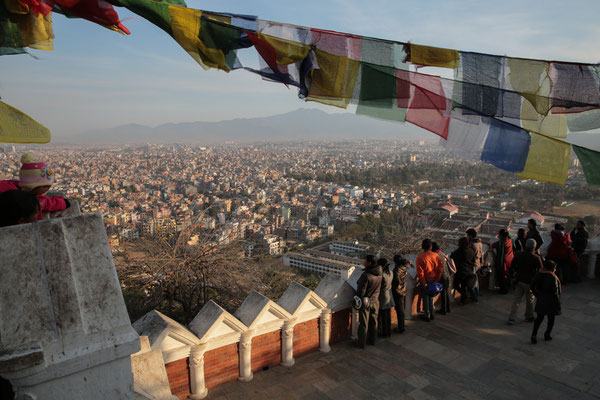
36,177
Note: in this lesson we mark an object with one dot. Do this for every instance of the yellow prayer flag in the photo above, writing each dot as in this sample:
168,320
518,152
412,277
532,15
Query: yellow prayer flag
286,51
333,82
17,127
553,125
433,56
548,160
531,79
185,24
36,30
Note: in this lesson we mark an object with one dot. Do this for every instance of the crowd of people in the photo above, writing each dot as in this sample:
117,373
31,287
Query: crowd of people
510,264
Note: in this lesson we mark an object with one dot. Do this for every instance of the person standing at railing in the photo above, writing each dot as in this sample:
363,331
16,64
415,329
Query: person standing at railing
399,289
385,298
429,271
367,289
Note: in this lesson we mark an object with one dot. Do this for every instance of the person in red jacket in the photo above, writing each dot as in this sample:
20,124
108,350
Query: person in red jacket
559,251
503,261
429,270
36,177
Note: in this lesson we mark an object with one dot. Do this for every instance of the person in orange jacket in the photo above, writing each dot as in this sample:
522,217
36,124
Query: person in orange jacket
429,270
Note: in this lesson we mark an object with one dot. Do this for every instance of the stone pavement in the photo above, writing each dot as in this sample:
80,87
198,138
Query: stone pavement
470,353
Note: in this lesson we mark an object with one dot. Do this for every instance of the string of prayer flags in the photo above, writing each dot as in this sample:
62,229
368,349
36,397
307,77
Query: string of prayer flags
509,112
590,163
17,127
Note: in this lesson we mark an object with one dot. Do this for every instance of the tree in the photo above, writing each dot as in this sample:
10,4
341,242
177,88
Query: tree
178,274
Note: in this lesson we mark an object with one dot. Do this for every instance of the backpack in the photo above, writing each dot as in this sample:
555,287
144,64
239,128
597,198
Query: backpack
434,289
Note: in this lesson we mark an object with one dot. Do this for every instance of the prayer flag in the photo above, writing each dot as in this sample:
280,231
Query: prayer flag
467,135
481,74
590,163
17,127
575,88
548,160
531,78
378,95
554,125
98,11
584,121
506,146
433,56
23,29
333,82
428,107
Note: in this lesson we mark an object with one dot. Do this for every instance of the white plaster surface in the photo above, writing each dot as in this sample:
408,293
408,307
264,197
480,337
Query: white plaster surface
64,331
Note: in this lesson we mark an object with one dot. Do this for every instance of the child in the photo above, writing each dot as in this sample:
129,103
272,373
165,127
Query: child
36,177
18,207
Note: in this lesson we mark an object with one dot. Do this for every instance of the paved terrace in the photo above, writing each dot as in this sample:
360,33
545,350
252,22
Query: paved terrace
470,353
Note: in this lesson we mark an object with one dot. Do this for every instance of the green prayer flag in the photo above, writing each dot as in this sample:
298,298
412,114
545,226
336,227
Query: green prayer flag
590,163
156,12
378,95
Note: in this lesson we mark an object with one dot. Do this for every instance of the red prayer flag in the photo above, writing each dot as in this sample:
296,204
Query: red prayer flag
428,106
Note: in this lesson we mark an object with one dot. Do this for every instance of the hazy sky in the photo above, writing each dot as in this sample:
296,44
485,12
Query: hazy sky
96,78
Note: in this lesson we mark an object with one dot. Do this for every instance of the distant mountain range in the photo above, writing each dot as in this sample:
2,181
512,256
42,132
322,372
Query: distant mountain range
301,124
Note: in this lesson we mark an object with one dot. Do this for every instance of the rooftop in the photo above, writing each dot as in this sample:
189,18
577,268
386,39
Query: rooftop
468,354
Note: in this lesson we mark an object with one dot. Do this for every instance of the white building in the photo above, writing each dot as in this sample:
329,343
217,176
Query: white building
319,265
343,248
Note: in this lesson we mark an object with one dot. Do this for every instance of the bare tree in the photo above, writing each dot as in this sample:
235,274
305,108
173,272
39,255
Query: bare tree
180,273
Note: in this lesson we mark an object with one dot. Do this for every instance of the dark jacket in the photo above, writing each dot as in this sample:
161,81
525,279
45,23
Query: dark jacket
369,284
399,280
520,244
464,258
546,288
579,239
535,235
526,265
385,294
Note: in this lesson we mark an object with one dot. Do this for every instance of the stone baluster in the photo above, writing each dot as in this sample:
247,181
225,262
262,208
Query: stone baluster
325,330
354,324
245,350
198,386
287,345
